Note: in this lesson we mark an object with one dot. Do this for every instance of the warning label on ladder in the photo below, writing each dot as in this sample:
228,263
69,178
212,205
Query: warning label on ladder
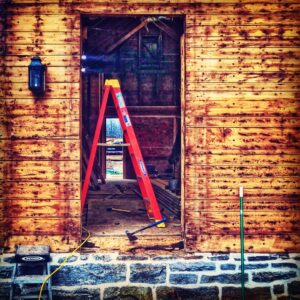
120,100
143,169
126,120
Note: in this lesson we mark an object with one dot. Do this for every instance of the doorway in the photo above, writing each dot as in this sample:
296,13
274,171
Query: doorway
144,54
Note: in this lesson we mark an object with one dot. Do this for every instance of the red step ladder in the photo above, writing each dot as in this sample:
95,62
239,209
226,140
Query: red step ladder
144,182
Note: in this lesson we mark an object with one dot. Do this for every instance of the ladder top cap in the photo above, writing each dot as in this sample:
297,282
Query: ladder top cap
112,82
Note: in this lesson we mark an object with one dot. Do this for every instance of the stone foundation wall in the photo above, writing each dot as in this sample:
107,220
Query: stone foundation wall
200,276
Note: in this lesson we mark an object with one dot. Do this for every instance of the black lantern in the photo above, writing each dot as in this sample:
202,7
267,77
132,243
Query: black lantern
36,76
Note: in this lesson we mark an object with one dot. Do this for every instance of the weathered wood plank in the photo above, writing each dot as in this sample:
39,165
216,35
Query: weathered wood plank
244,77
211,96
42,208
43,38
53,74
253,204
45,107
203,192
40,190
234,53
243,31
195,163
40,126
260,223
244,86
53,60
262,122
232,107
44,226
57,243
53,90
39,150
236,20
243,64
40,170
43,49
41,22
253,243
225,183
241,138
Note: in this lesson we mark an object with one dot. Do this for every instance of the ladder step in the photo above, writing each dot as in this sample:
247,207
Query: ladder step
112,145
30,279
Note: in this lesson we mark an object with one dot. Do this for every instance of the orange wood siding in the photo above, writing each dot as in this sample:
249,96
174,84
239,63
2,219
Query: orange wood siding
241,118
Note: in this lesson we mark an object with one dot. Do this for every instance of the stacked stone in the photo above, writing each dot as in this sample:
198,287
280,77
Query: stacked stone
199,276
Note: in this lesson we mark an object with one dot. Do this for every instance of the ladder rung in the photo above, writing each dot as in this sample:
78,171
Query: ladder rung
112,145
29,279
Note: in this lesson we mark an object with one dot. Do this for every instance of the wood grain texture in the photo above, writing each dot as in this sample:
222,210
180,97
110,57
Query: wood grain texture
41,149
240,112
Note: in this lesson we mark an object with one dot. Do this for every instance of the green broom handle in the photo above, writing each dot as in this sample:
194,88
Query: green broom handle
242,240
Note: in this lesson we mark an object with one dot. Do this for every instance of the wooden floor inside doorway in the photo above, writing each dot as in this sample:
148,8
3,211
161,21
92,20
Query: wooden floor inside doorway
108,226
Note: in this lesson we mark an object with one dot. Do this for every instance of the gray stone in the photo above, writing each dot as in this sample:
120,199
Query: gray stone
131,257
225,267
263,257
219,257
6,271
89,274
77,294
84,257
183,278
254,266
165,257
284,265
272,276
294,288
73,258
148,273
174,293
223,278
297,258
234,293
4,290
192,266
128,293
105,258
278,289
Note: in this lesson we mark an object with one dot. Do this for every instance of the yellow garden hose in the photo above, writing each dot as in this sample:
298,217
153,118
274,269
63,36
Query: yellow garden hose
63,263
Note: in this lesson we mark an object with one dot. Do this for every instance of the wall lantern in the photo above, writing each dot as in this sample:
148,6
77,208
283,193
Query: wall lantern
36,76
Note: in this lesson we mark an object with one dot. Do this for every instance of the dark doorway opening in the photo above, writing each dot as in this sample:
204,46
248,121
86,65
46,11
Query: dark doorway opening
144,54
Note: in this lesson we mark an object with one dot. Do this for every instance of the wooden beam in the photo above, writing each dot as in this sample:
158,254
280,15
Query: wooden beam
127,36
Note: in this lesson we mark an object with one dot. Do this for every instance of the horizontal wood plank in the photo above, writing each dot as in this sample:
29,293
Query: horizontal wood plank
287,183
232,107
243,64
40,190
257,223
40,126
42,208
253,243
53,90
12,107
41,22
250,205
44,226
282,163
40,170
243,20
241,138
50,60
42,149
43,49
57,243
42,38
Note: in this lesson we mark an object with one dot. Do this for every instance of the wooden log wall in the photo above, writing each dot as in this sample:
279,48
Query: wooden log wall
241,121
